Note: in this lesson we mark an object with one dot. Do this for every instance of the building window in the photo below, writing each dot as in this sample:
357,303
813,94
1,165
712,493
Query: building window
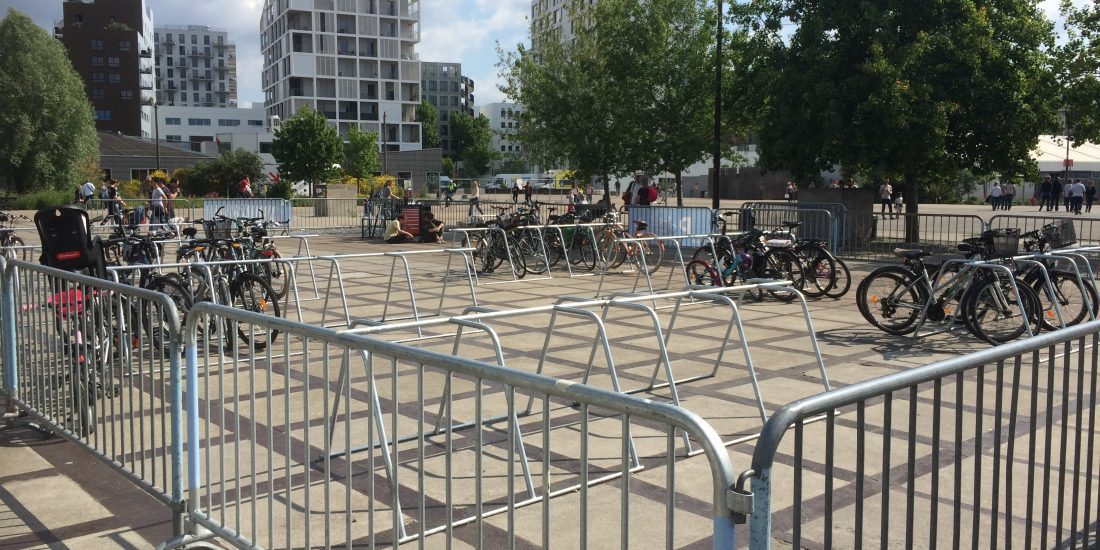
126,94
228,122
97,60
172,121
183,49
501,148
113,78
97,93
173,138
198,121
265,147
97,44
97,77
194,39
170,75
124,45
206,39
112,61
103,114
255,123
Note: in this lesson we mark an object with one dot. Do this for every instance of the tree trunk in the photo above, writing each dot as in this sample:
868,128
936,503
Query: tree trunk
679,188
606,190
912,200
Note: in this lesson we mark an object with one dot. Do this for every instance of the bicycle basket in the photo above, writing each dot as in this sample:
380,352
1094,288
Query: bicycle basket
1002,243
1059,234
218,229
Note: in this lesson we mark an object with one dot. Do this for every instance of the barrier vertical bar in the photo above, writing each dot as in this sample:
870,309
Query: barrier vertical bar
7,326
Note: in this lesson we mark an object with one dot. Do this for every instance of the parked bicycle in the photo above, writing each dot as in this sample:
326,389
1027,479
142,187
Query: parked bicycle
614,252
744,258
12,245
573,243
493,247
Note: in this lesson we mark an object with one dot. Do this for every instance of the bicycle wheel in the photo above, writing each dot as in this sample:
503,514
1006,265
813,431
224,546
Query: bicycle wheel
842,279
519,263
652,251
555,248
22,254
891,299
699,272
992,311
585,251
820,272
83,401
534,256
154,320
277,275
1073,305
609,249
251,293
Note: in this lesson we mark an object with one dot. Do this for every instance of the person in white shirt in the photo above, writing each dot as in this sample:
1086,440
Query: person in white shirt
1077,191
1008,191
87,192
995,195
886,197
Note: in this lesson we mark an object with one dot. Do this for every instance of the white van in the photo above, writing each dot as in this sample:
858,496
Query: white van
507,181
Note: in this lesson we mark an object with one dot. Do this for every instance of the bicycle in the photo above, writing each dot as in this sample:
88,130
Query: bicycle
826,275
9,240
987,302
614,252
577,245
746,257
492,247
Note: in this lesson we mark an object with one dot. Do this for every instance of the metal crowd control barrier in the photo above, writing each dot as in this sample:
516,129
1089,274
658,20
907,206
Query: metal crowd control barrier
1086,229
27,253
276,210
251,448
874,236
182,208
1006,460
816,223
671,220
99,363
338,264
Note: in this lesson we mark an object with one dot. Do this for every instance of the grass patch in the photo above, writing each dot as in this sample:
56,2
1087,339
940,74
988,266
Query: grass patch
42,199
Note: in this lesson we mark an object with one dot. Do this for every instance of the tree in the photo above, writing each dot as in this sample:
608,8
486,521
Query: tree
1078,67
898,87
428,118
361,154
222,174
47,132
306,147
473,143
448,167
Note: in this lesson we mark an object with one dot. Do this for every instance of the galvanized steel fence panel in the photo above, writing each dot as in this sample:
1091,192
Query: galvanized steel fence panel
874,236
993,449
100,363
262,472
276,210
1087,229
672,221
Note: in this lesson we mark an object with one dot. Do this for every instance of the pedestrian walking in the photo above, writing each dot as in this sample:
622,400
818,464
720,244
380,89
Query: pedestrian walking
886,197
791,193
1090,195
475,200
588,193
1008,191
995,193
1077,195
515,191
1044,189
1055,193
527,192
1067,195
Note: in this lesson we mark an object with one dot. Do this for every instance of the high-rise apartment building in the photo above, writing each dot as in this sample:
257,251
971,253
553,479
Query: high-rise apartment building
443,86
551,15
504,120
110,44
352,60
196,66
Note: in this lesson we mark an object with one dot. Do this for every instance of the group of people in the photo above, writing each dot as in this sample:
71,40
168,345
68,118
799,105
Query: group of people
892,201
641,193
1001,196
1072,194
157,208
431,230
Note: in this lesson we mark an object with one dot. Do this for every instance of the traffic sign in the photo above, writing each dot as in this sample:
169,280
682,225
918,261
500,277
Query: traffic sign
1067,163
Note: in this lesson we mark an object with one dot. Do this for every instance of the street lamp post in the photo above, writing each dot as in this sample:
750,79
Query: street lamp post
152,102
1066,133
385,146
715,184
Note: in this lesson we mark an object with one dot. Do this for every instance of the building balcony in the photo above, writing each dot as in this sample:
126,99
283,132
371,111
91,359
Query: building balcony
195,53
147,54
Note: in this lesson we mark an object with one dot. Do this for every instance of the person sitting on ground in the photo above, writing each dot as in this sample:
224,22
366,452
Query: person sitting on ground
394,234
432,229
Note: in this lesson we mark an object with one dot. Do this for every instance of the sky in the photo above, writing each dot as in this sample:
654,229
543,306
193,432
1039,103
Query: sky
453,31
462,31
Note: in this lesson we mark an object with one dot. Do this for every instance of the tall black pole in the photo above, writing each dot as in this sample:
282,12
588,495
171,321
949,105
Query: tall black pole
715,183
385,145
156,130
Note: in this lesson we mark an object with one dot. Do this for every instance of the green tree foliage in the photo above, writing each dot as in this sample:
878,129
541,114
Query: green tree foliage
633,91
306,147
513,164
428,118
223,174
448,167
1078,65
47,133
361,154
473,143
898,87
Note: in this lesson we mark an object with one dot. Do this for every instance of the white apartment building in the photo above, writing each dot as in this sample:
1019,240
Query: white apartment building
352,60
215,130
547,15
503,120
196,66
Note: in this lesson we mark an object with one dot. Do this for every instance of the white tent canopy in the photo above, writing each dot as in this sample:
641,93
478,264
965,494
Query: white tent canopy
1051,153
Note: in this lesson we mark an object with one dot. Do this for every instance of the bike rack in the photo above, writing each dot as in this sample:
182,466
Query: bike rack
967,265
466,231
636,302
336,272
642,268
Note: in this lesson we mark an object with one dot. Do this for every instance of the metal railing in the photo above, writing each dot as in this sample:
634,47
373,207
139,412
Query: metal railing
991,449
99,363
874,236
259,475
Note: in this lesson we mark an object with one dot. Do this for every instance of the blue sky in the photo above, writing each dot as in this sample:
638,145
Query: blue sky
463,31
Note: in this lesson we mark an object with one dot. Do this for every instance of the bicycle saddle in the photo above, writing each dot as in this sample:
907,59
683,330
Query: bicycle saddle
641,224
910,253
791,225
